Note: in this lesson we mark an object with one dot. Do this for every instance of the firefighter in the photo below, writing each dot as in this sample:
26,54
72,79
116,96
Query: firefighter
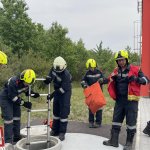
11,102
124,88
92,76
3,63
62,93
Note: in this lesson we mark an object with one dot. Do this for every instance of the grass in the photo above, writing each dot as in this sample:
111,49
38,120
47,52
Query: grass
79,110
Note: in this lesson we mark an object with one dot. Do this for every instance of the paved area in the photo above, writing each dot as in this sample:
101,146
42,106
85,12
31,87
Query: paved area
81,141
82,127
142,140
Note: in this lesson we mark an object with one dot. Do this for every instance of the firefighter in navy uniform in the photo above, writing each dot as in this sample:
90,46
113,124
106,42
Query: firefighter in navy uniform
62,93
11,102
124,87
3,63
92,76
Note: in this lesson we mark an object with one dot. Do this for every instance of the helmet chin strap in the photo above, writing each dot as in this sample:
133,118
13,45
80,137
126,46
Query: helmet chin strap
58,71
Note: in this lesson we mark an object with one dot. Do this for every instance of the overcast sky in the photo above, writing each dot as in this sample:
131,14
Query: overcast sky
111,21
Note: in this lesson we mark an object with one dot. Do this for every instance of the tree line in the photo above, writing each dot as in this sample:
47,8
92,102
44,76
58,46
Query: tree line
30,45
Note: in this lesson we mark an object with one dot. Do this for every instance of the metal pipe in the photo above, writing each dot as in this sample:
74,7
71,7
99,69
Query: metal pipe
40,94
40,79
28,123
35,142
48,120
39,110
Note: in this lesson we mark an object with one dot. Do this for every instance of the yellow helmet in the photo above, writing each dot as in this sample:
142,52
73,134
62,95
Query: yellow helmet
91,63
3,58
121,54
28,76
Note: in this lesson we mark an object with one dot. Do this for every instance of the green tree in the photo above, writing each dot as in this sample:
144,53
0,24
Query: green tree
133,56
103,56
57,40
16,28
76,58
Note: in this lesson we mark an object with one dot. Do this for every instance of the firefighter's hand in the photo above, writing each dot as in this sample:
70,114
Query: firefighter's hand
35,95
114,77
84,85
50,96
141,81
47,80
101,80
132,78
27,105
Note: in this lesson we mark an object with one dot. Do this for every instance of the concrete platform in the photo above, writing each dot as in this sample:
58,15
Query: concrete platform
81,141
143,141
83,127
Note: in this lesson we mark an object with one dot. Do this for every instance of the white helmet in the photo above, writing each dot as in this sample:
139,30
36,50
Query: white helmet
59,64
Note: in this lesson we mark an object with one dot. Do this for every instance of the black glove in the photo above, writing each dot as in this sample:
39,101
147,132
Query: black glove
132,78
140,81
35,95
114,77
101,80
19,101
84,85
27,105
47,80
50,96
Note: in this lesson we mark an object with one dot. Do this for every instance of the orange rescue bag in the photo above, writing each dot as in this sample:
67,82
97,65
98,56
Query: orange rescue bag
94,97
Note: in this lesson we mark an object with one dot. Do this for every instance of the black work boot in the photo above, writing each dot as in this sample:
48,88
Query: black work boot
91,125
97,125
62,136
147,129
53,133
113,140
129,141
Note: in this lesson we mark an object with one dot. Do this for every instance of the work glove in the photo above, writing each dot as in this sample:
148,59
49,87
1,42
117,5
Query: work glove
21,102
50,96
140,81
47,80
101,80
35,95
136,79
132,78
114,77
27,105
83,84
